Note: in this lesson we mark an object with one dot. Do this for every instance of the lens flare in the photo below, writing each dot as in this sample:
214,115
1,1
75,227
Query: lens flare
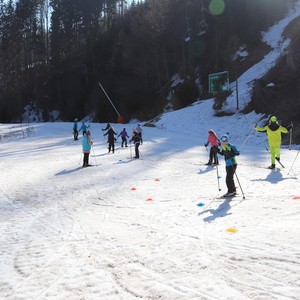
216,7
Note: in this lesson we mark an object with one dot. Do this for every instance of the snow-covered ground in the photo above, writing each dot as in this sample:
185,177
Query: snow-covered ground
153,228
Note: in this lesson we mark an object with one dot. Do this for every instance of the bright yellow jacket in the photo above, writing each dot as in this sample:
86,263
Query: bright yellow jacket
274,132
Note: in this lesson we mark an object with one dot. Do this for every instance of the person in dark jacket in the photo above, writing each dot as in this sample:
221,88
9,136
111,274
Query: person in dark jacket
111,139
106,128
229,152
124,137
136,139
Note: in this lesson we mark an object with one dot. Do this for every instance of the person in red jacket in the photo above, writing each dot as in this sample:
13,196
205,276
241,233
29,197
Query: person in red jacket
214,143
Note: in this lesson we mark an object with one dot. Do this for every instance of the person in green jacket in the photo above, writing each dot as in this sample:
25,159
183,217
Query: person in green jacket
273,131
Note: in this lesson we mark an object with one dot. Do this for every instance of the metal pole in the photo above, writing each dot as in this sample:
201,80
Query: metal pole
108,98
293,162
218,178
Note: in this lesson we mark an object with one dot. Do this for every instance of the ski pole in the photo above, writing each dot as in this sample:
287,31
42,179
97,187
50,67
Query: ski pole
291,135
94,155
218,178
247,138
80,158
130,150
293,162
240,185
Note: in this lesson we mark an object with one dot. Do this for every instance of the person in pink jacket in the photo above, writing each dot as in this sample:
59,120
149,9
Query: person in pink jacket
214,143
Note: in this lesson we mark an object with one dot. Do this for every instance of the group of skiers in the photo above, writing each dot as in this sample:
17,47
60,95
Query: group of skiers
111,139
229,151
217,146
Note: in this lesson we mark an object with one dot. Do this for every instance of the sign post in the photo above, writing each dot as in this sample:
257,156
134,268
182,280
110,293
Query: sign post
218,82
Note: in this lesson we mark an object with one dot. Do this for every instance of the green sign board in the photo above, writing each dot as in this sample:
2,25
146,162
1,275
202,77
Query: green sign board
218,82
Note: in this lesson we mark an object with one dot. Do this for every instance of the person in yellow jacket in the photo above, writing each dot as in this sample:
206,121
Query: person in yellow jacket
273,131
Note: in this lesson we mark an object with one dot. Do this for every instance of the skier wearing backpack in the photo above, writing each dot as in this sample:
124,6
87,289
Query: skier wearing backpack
86,148
273,131
124,137
229,152
213,152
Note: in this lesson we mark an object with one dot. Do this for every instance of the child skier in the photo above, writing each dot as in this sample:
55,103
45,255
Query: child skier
136,139
229,152
75,130
213,152
84,127
86,148
273,131
124,137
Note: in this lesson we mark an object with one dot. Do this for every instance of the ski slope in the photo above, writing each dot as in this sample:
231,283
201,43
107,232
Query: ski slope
153,228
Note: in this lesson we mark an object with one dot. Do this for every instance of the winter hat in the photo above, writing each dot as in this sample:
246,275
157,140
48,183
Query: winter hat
224,138
88,133
273,119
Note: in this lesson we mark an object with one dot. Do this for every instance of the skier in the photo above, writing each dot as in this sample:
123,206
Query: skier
139,131
111,139
75,130
86,148
273,131
136,139
229,152
213,152
106,128
84,128
124,137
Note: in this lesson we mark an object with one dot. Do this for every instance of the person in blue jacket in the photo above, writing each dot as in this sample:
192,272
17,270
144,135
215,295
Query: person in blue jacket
75,129
84,127
229,152
86,148
124,137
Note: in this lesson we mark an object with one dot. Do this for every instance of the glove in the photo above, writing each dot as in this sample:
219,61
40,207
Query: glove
206,144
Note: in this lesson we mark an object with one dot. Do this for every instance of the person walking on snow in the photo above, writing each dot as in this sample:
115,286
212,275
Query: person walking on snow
124,137
86,148
273,131
84,127
75,129
111,139
213,152
136,139
229,152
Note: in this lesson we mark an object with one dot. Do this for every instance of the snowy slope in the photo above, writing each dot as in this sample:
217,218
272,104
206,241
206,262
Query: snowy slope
152,228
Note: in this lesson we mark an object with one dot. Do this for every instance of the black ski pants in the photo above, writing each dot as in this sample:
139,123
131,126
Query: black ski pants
136,148
86,159
213,155
230,170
